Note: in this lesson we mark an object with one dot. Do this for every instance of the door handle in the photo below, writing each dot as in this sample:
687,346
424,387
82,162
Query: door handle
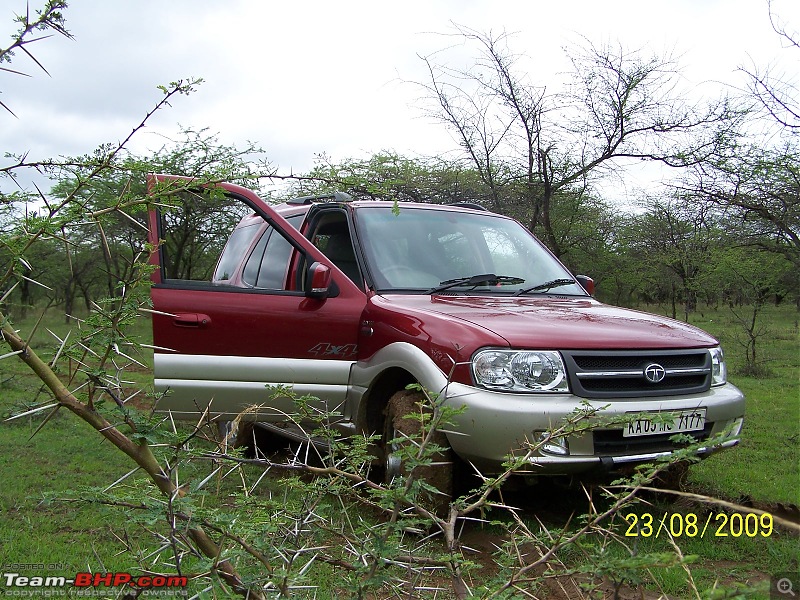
191,320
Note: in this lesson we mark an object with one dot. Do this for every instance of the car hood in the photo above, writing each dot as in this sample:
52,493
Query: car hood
558,322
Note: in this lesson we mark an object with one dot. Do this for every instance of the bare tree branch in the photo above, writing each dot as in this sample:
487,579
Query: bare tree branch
535,146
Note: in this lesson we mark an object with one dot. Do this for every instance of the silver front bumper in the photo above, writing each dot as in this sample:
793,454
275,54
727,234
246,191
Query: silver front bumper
496,425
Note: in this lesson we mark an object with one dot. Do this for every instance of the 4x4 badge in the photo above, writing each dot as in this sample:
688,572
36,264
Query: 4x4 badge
324,349
654,373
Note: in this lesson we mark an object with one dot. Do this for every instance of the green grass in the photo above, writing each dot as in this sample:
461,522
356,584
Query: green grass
723,555
765,467
67,456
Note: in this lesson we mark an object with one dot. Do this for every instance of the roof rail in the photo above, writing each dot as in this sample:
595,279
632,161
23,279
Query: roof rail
471,205
335,196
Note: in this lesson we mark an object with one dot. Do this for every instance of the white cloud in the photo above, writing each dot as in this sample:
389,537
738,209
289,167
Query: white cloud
315,76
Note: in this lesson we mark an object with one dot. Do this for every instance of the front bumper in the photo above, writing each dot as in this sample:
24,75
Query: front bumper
498,424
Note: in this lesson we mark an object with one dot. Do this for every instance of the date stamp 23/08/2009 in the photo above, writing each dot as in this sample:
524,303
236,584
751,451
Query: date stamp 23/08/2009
720,525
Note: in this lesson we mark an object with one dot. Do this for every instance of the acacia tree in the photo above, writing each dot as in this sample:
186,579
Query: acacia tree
391,176
100,359
673,241
758,189
122,236
754,179
776,94
748,279
617,106
49,19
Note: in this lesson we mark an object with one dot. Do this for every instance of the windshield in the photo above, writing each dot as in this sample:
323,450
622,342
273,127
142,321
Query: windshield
432,250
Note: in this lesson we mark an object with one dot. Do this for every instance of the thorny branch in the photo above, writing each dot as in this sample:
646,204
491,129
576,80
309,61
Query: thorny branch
49,18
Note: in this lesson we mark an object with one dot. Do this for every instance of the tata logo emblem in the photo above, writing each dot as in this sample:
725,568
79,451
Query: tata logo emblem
654,373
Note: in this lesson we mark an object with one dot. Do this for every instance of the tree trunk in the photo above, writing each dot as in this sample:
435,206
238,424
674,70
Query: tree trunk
141,453
674,303
25,298
69,299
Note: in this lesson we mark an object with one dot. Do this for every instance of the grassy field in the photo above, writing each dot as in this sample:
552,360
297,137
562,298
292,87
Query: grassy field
766,465
67,456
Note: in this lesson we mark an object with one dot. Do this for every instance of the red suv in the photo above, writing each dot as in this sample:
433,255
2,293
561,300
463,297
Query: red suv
352,301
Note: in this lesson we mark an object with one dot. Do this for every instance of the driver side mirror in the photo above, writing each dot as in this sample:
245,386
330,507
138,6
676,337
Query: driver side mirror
318,281
587,283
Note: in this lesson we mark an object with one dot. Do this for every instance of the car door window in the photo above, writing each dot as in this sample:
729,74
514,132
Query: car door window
194,232
253,264
268,263
237,245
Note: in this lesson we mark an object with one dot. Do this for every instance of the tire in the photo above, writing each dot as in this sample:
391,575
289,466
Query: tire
438,475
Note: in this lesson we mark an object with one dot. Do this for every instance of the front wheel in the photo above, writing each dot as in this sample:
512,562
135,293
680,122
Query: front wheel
399,431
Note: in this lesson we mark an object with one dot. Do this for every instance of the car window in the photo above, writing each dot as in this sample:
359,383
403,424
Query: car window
193,233
507,252
236,247
268,263
253,264
331,234
420,248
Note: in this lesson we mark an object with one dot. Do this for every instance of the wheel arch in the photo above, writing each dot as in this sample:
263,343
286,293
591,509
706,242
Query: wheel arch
373,404
390,370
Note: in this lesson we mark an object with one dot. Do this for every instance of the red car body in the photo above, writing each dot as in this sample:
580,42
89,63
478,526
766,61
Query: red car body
352,328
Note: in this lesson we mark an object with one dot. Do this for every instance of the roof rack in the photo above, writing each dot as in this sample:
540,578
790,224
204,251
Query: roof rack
471,205
334,196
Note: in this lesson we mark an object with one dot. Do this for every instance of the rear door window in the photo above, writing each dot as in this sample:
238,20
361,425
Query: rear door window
267,265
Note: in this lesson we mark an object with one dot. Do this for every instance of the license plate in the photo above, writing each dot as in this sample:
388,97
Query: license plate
687,420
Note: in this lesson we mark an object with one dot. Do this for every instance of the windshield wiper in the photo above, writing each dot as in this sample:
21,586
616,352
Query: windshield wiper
474,281
546,286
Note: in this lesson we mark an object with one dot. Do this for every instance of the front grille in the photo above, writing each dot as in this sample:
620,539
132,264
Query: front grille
605,361
621,374
611,443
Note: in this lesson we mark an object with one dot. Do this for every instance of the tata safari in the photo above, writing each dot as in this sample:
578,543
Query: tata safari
351,301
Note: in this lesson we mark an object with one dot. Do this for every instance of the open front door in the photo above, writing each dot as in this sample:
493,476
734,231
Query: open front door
232,314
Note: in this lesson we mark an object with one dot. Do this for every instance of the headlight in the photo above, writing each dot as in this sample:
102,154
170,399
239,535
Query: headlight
520,370
719,373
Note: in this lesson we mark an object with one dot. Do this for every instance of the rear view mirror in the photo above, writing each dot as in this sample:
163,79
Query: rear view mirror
318,281
587,283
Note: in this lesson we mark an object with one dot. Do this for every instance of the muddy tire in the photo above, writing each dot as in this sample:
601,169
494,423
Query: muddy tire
438,475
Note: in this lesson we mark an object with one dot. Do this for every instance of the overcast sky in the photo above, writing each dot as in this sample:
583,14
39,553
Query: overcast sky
304,77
